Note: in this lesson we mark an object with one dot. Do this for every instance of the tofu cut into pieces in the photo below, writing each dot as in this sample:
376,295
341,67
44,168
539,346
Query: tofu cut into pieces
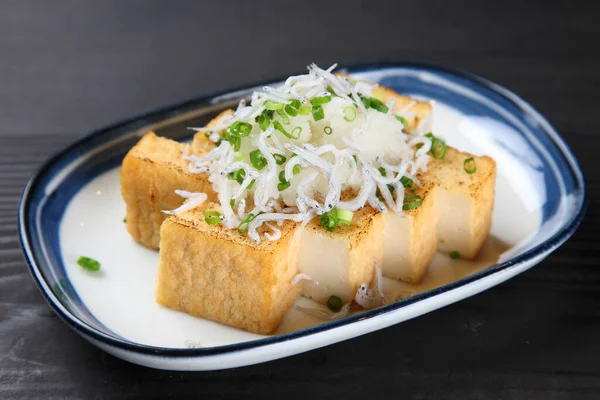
213,272
341,260
464,201
410,239
151,172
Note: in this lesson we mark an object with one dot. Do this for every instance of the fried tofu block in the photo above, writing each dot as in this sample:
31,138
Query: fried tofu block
464,201
151,172
342,260
212,272
410,239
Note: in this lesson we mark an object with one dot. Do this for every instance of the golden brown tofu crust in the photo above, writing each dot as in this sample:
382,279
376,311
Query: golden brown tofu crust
221,275
151,172
449,174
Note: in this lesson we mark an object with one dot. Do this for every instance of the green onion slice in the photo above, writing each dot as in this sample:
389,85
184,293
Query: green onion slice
438,149
88,263
283,185
402,119
318,113
349,113
284,118
279,159
243,226
263,121
412,202
344,217
329,220
454,255
273,105
296,169
406,182
232,202
382,171
334,303
317,101
305,110
293,108
378,105
295,134
237,176
328,130
212,217
241,129
257,160
469,165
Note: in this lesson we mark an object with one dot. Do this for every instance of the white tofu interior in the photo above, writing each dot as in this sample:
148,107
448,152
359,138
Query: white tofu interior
396,246
326,260
454,227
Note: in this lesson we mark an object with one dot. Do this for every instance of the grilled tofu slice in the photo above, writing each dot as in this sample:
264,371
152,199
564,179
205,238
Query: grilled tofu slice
410,240
464,201
212,272
342,260
151,172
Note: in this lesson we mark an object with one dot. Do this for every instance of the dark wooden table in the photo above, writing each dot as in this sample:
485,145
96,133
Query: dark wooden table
69,67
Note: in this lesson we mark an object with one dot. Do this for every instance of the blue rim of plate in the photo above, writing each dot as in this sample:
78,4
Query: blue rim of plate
85,329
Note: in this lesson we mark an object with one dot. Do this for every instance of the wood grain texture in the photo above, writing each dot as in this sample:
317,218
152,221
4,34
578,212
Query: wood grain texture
67,67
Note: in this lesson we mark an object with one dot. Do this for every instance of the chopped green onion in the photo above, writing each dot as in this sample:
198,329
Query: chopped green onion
330,89
239,176
406,182
125,220
238,156
235,140
232,202
365,100
378,105
273,105
317,101
318,113
438,149
344,216
243,226
283,185
88,263
257,160
296,169
429,135
349,113
469,165
263,121
284,118
334,303
241,129
355,158
212,217
328,130
329,220
293,108
391,187
279,159
251,184
402,119
305,110
379,195
454,255
382,171
295,132
412,202
207,134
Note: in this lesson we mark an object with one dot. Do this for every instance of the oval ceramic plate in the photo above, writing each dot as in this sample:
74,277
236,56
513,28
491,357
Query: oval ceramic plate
73,207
